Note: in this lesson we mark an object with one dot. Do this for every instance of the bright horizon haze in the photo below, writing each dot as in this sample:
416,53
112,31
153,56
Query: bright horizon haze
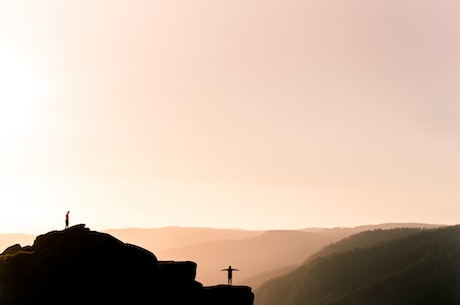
228,114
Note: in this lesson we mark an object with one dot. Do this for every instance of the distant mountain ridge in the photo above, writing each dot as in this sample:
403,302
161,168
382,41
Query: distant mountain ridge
167,238
395,266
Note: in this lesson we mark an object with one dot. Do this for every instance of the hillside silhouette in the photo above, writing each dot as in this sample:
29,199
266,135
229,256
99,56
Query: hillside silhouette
398,266
81,266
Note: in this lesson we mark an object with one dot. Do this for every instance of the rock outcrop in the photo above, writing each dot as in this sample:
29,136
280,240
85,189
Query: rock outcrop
80,266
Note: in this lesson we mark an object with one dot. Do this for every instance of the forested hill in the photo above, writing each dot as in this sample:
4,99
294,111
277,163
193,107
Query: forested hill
401,266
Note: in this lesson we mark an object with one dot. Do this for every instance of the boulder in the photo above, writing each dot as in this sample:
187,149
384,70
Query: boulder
174,271
12,249
228,295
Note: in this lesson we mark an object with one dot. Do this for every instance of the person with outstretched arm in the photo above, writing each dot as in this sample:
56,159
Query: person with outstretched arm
229,274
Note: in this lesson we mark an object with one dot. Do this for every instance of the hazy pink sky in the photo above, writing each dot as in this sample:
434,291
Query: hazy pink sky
238,114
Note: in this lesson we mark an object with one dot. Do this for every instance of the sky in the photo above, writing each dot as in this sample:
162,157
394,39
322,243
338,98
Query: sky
228,114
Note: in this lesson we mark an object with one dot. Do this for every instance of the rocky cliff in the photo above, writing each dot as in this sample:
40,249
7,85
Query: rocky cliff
81,266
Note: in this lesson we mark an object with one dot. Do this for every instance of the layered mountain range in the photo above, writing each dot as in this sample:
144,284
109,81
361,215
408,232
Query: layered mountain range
259,255
382,264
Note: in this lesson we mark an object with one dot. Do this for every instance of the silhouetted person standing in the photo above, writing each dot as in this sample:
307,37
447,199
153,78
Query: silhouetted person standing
67,220
229,273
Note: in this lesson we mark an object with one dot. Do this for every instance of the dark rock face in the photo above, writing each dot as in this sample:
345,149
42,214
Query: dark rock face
80,266
228,295
12,249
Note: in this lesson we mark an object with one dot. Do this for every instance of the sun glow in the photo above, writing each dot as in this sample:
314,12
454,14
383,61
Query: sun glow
20,90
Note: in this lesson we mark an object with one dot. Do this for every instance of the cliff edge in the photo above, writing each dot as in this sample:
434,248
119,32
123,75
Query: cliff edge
81,266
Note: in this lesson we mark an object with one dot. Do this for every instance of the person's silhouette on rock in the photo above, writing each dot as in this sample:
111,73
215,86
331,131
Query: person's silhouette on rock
67,220
229,273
